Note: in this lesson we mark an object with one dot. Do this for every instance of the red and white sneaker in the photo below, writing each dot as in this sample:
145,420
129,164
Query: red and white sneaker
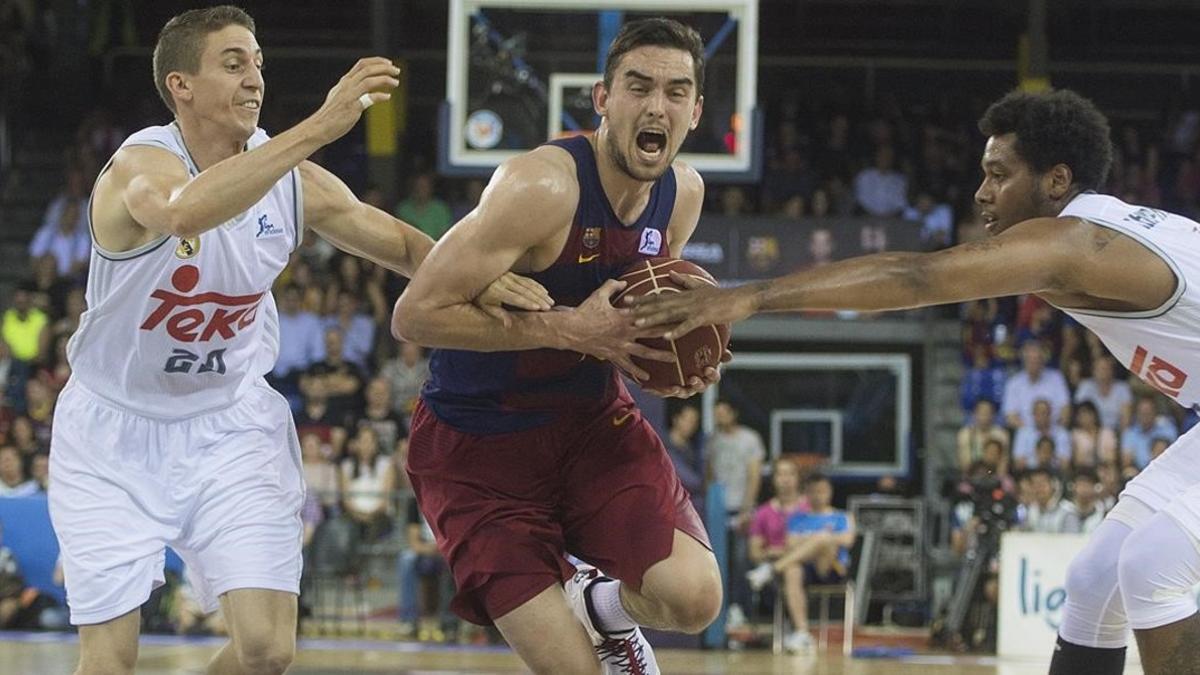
624,653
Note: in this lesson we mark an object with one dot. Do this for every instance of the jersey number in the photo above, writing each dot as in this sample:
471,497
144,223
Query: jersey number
182,360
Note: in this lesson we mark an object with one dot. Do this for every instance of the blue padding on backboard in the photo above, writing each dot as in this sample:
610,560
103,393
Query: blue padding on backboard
715,521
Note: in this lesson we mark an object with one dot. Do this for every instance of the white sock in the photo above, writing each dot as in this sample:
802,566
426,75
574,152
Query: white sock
607,611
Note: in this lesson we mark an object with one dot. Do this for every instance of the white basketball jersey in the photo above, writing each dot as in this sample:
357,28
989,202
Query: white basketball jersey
180,326
1161,345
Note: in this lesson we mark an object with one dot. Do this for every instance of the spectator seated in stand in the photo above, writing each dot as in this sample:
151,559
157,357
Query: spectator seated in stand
1045,513
1090,442
406,374
425,583
367,485
25,327
684,448
357,329
1147,426
340,381
981,429
1035,381
63,235
1084,512
1112,397
13,480
1027,438
880,189
769,540
301,344
423,210
818,549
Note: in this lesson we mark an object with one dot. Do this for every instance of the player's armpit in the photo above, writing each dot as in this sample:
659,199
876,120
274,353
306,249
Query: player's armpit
332,211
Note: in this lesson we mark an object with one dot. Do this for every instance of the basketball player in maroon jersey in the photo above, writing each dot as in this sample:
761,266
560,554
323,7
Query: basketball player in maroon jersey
526,444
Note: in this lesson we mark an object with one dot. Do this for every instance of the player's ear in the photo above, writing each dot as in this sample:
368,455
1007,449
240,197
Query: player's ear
697,110
179,86
600,98
1058,181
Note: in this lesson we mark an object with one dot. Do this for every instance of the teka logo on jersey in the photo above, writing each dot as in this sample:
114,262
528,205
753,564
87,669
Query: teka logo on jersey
266,228
186,318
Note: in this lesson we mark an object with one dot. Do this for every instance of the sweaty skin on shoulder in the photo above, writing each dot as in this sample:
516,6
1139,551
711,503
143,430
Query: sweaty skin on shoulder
520,222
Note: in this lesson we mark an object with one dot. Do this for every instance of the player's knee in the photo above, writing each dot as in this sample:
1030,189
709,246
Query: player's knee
698,604
266,655
1091,576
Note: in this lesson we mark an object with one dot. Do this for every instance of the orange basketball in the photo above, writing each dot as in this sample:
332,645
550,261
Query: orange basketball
695,351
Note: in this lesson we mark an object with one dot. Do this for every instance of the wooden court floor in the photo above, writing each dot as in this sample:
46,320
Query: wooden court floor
51,654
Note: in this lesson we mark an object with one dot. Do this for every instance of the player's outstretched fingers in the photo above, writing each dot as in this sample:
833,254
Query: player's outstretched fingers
684,328
626,364
643,352
689,280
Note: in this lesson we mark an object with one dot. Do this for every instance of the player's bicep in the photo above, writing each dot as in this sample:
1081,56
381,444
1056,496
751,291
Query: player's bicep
334,212
140,185
523,205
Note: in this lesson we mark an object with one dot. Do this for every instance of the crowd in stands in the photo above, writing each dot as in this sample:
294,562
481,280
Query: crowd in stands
1048,412
1043,403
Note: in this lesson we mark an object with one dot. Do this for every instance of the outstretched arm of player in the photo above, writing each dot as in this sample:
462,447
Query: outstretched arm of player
529,199
1036,255
161,197
332,211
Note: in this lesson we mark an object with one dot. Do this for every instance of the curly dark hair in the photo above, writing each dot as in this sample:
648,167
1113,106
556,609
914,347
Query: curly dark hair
1055,127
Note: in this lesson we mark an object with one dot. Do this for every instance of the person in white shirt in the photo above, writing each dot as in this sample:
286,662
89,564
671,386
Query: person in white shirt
1046,513
880,189
64,231
1129,273
1147,426
1035,381
1112,397
166,432
1026,439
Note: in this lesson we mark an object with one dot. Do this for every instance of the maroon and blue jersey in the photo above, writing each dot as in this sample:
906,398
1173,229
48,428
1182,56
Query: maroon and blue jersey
503,392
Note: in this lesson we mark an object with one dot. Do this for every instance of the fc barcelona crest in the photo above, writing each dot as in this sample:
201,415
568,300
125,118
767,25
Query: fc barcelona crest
591,237
188,247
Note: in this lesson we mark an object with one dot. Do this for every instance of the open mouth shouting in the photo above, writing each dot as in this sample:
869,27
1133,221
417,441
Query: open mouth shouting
651,144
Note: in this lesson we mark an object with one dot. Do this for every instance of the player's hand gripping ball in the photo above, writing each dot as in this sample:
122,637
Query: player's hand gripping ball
700,349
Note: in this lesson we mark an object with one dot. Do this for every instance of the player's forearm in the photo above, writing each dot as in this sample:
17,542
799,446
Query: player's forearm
233,185
876,282
465,326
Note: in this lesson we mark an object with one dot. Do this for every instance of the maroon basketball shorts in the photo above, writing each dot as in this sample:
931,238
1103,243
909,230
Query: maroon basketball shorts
505,507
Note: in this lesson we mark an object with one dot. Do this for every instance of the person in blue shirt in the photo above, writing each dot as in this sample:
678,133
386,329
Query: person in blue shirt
819,543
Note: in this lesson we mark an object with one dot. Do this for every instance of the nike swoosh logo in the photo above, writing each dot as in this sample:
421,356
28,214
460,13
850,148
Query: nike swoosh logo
588,258
618,421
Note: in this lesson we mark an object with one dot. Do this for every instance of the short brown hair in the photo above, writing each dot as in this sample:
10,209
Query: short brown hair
181,42
656,33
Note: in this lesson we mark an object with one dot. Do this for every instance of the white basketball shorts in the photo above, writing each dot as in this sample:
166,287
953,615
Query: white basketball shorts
1170,483
223,489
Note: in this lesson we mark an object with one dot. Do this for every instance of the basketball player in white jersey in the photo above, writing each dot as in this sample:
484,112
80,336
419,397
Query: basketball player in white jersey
1129,273
167,432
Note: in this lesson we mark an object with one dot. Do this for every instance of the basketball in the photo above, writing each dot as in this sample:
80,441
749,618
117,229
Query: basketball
695,351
